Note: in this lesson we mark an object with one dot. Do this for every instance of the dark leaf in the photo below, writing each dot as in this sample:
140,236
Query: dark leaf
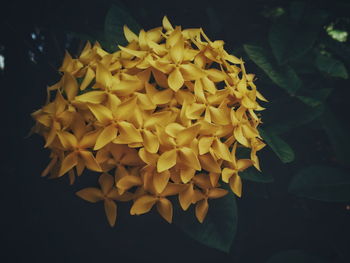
331,66
116,18
338,136
283,76
292,38
322,183
278,145
252,174
219,227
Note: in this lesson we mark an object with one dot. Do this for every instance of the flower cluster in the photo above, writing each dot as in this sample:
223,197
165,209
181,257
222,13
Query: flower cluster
161,117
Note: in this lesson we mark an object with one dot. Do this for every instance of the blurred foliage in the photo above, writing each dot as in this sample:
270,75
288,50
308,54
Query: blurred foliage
300,54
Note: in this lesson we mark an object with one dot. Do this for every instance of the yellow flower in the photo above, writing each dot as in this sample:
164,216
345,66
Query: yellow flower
164,114
107,193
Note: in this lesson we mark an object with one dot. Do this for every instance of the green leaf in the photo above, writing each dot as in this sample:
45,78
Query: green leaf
338,136
295,256
331,66
322,183
219,226
251,174
280,120
315,98
116,18
292,38
278,145
283,76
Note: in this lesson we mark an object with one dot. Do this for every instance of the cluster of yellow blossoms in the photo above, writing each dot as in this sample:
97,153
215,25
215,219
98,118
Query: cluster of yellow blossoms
164,115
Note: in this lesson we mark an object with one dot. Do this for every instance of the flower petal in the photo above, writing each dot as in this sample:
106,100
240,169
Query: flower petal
107,135
202,210
89,76
106,182
111,211
186,197
165,209
209,164
68,163
95,97
217,193
166,160
204,144
150,141
128,181
189,158
175,80
186,136
90,194
90,161
236,185
143,204
227,173
102,113
160,180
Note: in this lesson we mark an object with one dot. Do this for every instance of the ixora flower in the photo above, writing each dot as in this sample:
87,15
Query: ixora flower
163,116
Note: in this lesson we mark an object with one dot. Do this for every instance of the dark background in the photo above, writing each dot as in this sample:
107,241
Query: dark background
43,221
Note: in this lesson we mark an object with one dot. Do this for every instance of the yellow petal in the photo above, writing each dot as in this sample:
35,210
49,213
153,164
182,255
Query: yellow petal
177,52
204,144
89,139
143,204
194,111
173,129
186,136
129,35
90,161
186,197
243,164
217,193
191,72
175,80
166,160
221,150
126,87
68,163
160,180
166,24
160,79
89,76
189,158
218,116
227,173
202,210
70,86
236,185
216,75
107,135
111,211
90,194
92,97
238,133
147,157
209,164
165,209
103,76
67,140
106,182
102,113
186,174
150,141
128,133
128,181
